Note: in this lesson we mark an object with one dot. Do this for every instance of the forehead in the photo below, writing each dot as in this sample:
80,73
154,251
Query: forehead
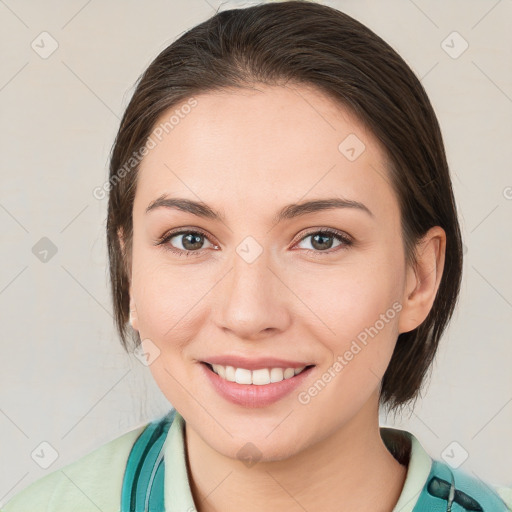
270,143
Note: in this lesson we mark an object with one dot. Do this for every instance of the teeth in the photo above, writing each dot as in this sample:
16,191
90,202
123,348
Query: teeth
221,371
230,373
243,376
258,377
289,372
276,375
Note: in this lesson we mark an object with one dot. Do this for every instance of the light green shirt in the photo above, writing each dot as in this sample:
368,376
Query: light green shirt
94,481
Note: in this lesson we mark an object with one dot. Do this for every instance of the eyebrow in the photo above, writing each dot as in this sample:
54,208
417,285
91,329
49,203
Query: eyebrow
288,212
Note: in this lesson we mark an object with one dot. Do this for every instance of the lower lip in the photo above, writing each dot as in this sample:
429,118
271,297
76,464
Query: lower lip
253,395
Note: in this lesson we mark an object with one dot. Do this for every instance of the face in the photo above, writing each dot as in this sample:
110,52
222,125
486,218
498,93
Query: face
315,287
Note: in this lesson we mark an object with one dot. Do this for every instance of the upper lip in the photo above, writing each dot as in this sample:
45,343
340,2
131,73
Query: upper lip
254,363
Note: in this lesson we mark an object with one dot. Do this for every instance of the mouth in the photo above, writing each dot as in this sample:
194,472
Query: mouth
259,387
256,377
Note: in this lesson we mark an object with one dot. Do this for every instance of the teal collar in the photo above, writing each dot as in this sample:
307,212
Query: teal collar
430,485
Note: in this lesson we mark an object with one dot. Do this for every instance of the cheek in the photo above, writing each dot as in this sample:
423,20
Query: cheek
355,308
348,297
168,296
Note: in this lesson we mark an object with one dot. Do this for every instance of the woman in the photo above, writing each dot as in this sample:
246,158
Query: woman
285,255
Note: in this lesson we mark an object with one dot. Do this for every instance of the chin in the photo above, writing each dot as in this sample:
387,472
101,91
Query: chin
253,447
254,452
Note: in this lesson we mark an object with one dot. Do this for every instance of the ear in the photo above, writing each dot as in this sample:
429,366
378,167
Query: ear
134,322
133,308
422,281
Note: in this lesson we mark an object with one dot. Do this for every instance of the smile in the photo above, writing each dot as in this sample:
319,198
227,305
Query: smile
260,387
259,377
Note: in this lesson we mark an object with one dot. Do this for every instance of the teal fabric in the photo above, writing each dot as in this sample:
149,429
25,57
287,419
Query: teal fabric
445,490
454,490
143,483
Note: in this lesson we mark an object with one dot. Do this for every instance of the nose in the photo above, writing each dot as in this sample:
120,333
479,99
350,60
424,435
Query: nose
254,301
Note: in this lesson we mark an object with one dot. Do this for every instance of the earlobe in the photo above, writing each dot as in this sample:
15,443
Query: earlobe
422,282
133,315
133,310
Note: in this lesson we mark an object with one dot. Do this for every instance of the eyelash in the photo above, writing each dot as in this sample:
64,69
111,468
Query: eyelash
347,241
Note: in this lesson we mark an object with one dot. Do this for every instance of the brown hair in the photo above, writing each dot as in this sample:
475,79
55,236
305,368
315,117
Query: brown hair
311,44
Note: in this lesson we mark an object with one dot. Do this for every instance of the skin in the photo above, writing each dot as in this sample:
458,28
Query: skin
247,153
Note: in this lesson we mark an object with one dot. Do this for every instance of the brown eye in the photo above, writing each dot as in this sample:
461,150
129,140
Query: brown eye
185,242
189,241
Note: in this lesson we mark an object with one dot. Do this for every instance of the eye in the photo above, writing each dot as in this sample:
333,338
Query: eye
185,243
323,240
188,243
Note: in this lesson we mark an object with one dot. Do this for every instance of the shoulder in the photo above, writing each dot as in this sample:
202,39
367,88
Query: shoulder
437,485
93,482
506,495
467,490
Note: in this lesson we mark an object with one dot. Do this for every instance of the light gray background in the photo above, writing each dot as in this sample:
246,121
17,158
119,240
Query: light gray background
64,377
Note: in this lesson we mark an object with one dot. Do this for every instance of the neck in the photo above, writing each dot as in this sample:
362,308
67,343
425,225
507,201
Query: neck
351,470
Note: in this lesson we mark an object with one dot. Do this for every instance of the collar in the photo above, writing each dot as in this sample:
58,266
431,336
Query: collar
402,444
